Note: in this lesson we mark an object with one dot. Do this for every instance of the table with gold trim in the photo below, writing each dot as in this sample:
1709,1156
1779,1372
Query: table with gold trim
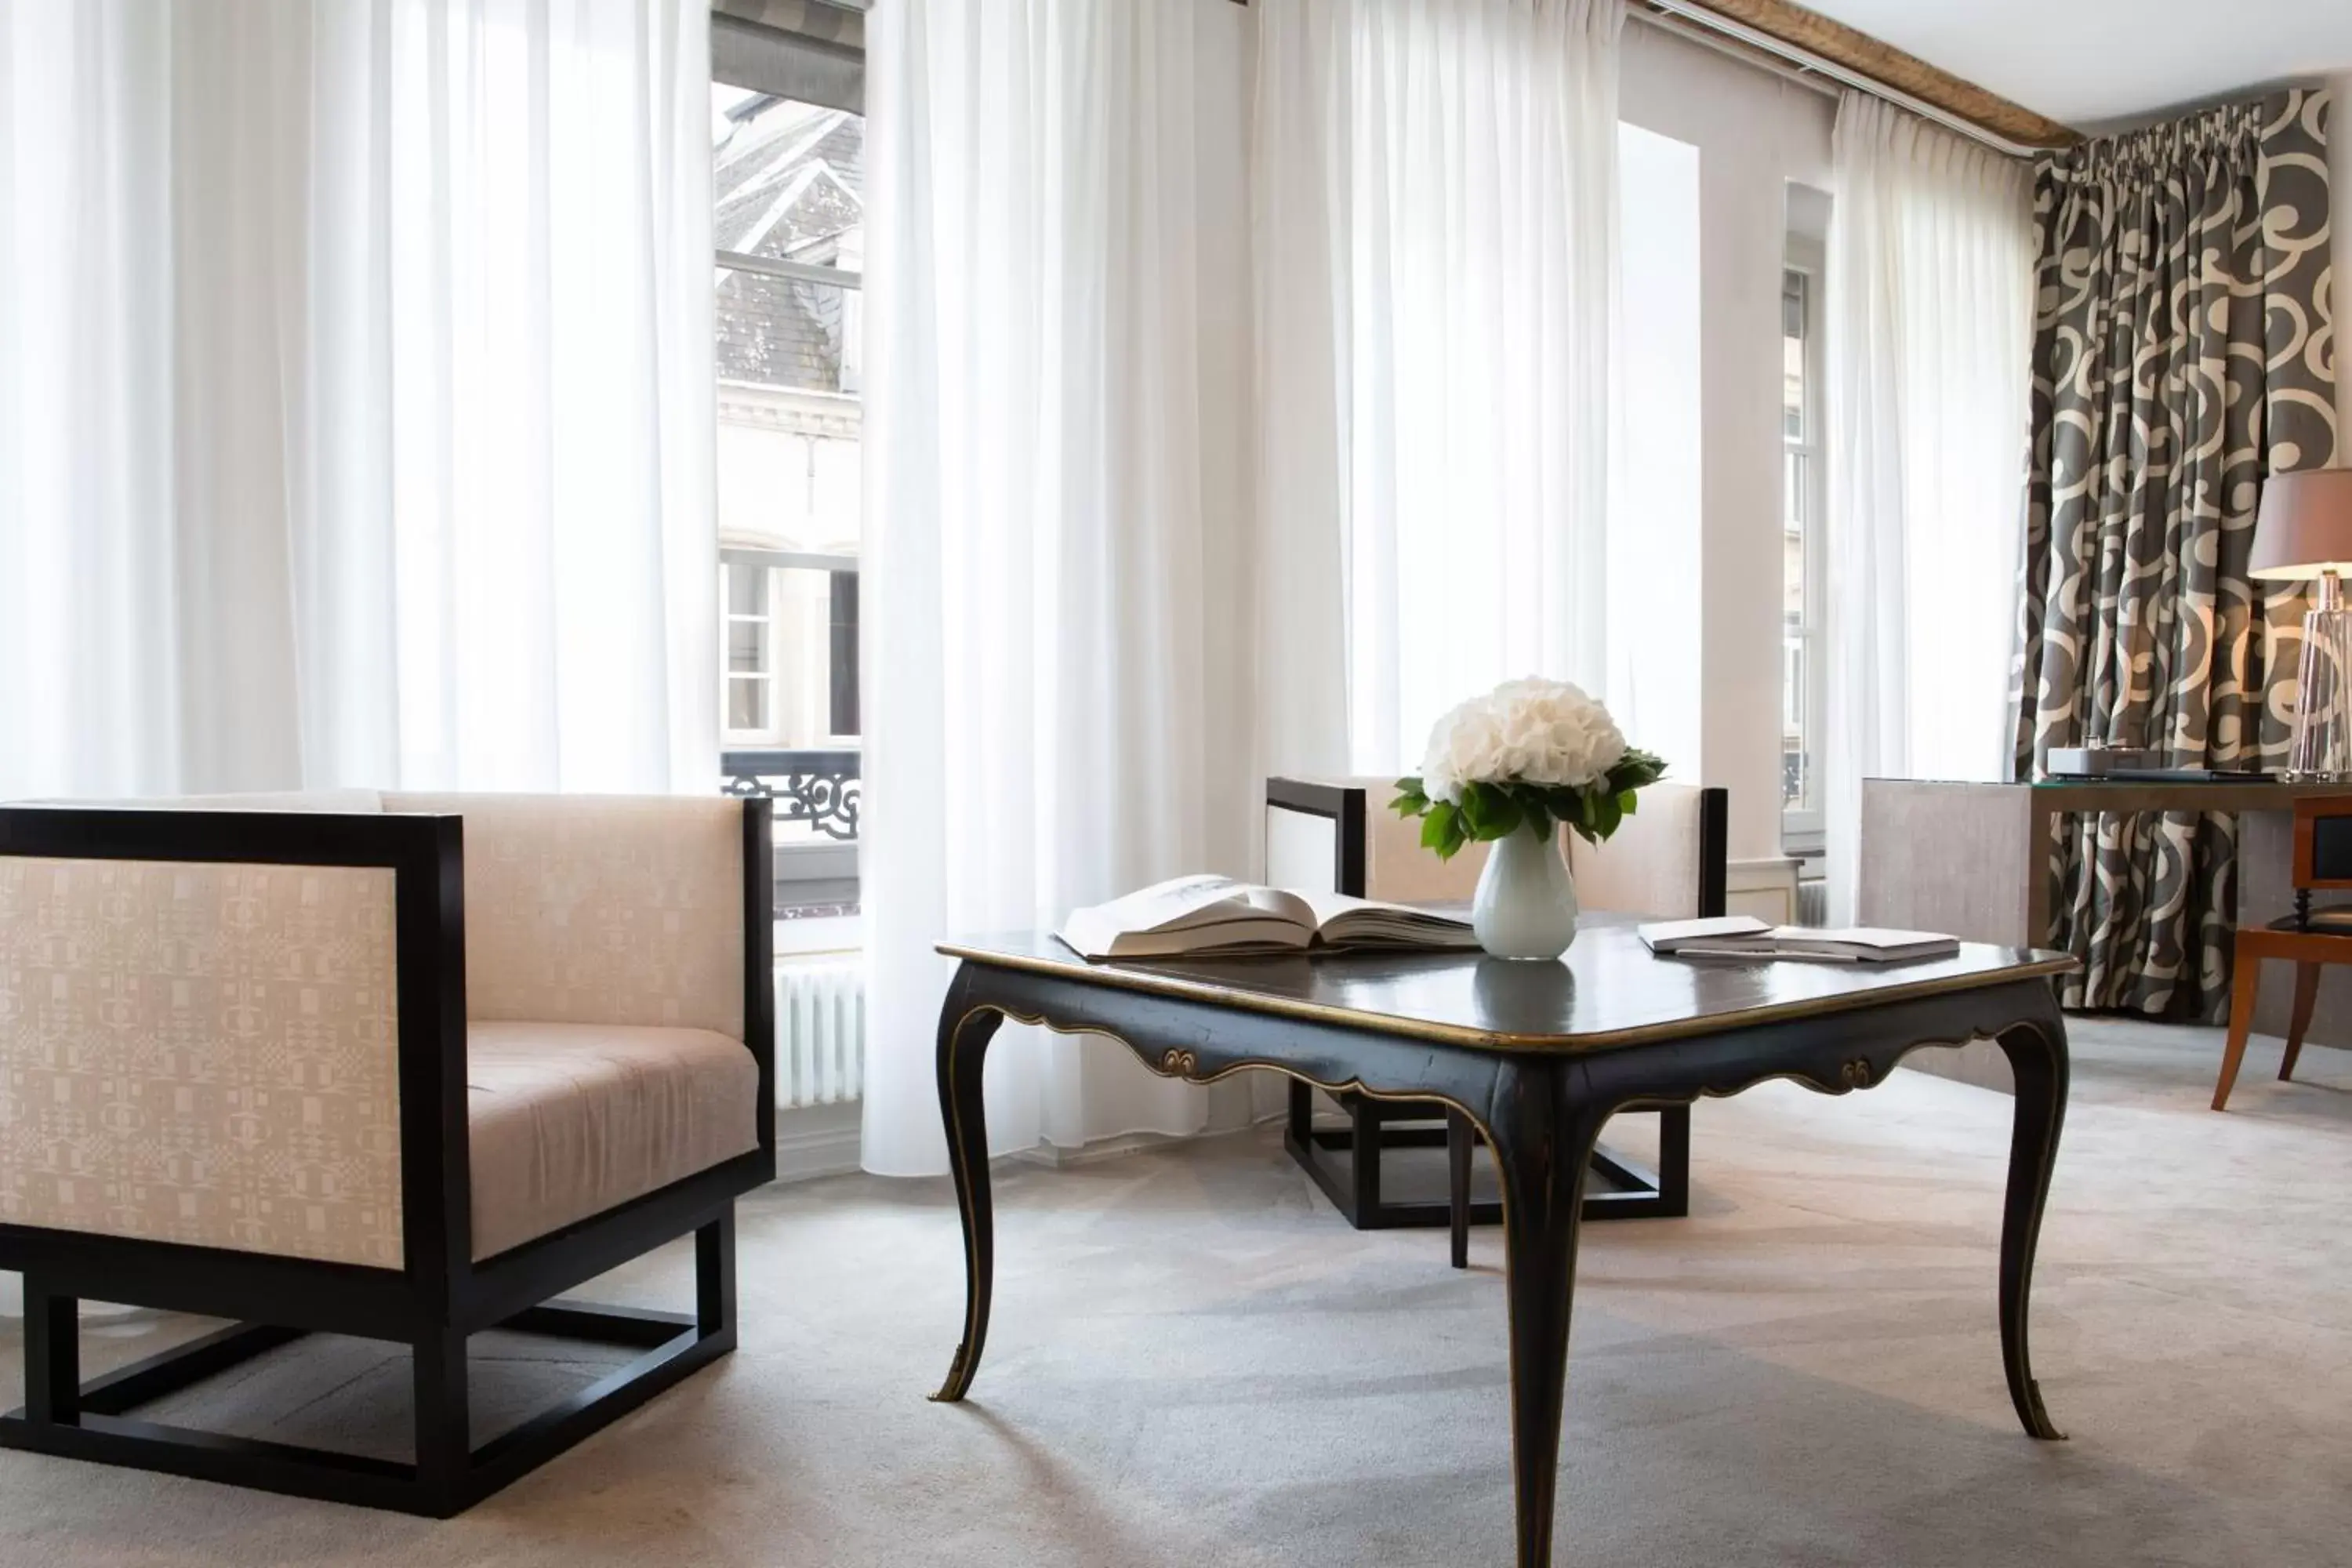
1538,1057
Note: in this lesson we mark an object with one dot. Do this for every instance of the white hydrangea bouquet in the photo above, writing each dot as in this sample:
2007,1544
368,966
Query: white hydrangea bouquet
1528,756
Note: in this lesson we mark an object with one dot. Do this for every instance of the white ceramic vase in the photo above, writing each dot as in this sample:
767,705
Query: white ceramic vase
1526,903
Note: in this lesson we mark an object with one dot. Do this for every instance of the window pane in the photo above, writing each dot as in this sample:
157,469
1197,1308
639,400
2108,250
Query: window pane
1793,388
782,333
747,704
1794,790
747,590
1654,504
1792,579
787,179
747,647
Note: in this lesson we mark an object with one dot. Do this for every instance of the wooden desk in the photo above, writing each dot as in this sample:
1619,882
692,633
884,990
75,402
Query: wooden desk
1538,1056
1975,860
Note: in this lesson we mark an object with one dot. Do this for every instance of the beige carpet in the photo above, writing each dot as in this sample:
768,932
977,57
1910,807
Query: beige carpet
1195,1362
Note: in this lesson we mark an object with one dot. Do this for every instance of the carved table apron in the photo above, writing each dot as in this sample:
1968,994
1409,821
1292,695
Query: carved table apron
1539,1109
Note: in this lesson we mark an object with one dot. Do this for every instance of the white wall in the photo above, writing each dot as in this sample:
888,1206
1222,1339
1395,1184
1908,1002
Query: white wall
1755,132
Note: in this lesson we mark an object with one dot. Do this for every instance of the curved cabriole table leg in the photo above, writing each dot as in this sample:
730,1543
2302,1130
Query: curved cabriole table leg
964,1033
1542,1145
2037,1056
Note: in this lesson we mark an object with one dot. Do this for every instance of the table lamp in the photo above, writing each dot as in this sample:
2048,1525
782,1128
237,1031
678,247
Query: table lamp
2303,533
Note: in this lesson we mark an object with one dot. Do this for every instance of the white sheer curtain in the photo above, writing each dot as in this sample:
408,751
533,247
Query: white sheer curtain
355,392
355,396
1057,648
1435,192
1930,330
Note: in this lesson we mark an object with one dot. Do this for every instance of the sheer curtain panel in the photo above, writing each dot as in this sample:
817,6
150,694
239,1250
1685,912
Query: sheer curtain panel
1435,208
1057,644
355,407
1930,324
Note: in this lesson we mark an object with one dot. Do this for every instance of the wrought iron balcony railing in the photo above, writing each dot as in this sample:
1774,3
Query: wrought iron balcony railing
820,788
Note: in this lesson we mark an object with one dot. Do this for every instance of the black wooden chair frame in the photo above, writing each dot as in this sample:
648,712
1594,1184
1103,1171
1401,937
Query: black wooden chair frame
440,1295
1333,1157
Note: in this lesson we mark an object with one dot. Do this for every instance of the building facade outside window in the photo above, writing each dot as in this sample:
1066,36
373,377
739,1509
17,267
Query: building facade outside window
789,220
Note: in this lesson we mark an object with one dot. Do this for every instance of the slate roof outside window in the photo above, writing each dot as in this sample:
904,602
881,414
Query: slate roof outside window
789,182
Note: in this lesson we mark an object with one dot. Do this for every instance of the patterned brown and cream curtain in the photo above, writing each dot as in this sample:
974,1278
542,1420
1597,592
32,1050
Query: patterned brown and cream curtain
2182,355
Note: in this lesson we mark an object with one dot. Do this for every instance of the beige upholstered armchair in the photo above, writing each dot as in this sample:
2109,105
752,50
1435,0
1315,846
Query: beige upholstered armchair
403,1068
1667,861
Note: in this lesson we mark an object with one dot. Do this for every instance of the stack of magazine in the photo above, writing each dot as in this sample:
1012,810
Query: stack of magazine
1745,936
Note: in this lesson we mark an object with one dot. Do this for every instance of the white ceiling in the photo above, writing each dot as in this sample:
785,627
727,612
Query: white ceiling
2093,63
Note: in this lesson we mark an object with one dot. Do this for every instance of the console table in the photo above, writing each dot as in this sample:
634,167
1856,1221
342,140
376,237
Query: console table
1975,860
1538,1057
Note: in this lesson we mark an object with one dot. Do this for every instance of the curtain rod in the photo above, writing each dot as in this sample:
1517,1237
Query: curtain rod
1692,20
1797,74
1676,16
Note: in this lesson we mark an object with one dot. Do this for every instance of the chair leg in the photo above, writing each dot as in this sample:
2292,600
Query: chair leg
445,1438
2242,987
52,1356
714,1278
1459,1139
2306,994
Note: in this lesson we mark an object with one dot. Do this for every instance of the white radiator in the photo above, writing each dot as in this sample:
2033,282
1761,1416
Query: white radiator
820,1030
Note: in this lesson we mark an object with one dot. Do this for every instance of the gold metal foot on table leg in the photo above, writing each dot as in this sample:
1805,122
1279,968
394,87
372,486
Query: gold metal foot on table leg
951,1392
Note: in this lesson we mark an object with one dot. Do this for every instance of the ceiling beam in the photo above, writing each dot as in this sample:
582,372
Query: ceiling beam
1833,41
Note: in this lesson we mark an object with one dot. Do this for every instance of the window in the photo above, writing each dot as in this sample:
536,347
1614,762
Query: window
1803,503
789,217
1654,680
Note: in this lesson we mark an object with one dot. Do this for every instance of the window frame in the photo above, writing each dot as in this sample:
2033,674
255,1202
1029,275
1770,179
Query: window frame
851,282
1803,828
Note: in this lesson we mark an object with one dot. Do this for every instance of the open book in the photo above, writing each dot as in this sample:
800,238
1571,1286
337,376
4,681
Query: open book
1745,936
1217,915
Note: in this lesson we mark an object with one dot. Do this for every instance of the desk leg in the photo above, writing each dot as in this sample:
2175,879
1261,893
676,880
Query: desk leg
2039,891
1543,1147
964,1046
2037,1056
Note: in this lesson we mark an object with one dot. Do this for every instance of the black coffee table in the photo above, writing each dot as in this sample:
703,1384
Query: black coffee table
1537,1058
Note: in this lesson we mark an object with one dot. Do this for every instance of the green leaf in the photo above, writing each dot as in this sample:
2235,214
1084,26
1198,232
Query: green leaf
1489,811
1437,826
1634,770
1412,802
1628,801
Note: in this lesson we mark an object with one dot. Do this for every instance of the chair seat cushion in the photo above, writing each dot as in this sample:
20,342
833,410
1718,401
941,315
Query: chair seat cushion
569,1120
2331,918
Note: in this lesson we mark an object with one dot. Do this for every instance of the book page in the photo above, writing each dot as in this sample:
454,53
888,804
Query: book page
1344,921
1859,936
1323,907
1666,935
1169,910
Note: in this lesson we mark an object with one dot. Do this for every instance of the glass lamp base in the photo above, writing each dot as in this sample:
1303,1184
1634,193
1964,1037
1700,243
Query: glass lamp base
2322,748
